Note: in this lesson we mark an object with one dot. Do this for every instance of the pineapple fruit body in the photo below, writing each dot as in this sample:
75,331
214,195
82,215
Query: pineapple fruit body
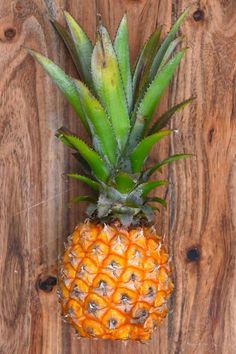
114,282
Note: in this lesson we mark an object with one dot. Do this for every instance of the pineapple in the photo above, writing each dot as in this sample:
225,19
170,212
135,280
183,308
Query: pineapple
115,275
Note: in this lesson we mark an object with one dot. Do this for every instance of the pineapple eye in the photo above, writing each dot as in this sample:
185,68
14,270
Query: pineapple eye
70,312
92,307
125,298
119,244
137,254
82,269
102,285
59,294
113,265
92,328
96,249
112,323
150,292
140,316
133,277
76,292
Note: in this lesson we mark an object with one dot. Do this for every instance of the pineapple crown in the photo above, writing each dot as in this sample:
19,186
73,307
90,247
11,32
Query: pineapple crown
116,105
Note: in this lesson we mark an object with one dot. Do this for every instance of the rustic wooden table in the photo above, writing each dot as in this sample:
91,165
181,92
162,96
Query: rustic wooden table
201,218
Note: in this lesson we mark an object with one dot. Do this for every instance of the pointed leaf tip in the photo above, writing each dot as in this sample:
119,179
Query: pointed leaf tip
65,35
121,47
147,174
63,82
140,153
152,98
165,117
91,183
103,136
165,45
97,165
108,85
144,63
83,198
83,47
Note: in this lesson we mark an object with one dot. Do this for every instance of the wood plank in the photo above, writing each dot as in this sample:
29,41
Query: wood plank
203,196
35,218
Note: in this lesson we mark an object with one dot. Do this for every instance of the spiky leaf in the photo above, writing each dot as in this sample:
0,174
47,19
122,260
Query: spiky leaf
124,183
108,84
83,198
62,134
144,62
157,87
145,188
100,125
157,200
121,46
84,165
152,98
165,117
65,35
140,153
97,165
91,183
165,45
83,47
63,82
173,45
151,170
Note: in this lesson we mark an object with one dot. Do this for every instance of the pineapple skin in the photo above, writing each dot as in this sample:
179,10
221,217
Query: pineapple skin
114,282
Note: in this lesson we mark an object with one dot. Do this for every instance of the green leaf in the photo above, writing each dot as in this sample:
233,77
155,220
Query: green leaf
65,35
140,153
100,125
108,84
157,87
164,118
97,165
84,165
144,62
83,47
124,183
61,134
83,198
148,212
170,51
91,183
121,46
63,82
155,208
145,188
152,98
165,45
157,200
151,170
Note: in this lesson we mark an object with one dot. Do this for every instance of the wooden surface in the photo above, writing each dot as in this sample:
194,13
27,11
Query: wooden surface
35,218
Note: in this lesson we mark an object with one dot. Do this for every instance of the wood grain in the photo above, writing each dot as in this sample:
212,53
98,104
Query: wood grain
35,218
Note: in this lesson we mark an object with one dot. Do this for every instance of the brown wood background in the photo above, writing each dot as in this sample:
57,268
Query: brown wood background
35,218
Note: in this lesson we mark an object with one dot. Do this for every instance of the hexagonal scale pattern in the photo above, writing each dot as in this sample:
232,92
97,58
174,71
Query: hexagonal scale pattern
114,283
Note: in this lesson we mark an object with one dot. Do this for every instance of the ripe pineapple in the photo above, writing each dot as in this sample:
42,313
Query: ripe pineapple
114,280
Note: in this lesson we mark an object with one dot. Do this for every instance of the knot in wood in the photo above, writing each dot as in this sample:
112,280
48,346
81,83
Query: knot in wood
47,283
10,33
193,254
198,15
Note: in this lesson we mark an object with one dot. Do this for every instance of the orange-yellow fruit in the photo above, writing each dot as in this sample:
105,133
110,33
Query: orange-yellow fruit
113,282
